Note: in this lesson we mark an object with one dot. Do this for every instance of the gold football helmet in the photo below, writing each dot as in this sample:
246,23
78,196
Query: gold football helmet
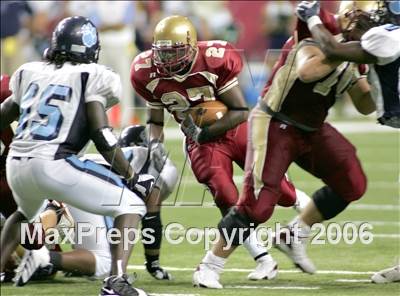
174,44
363,15
356,13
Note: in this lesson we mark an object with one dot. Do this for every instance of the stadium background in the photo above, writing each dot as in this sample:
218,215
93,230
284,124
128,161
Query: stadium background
254,27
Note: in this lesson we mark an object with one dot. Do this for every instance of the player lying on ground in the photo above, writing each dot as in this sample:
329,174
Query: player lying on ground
61,105
180,73
92,257
287,126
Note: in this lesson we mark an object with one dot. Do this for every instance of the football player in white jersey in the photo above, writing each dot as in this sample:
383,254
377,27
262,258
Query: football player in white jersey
92,256
61,105
373,31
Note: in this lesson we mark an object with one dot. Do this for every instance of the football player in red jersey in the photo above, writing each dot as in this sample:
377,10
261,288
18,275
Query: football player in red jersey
8,205
287,126
180,73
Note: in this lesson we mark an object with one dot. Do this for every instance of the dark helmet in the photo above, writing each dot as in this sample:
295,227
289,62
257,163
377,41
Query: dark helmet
74,39
391,12
134,135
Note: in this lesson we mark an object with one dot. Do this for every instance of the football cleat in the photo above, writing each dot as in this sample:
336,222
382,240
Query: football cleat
206,276
388,275
30,263
296,252
157,271
267,269
120,286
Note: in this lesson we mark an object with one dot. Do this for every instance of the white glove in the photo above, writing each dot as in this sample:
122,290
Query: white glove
306,9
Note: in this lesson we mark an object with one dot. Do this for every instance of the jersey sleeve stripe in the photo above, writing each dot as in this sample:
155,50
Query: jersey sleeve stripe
157,106
228,86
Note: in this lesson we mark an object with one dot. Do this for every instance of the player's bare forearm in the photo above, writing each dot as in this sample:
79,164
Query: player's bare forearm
155,123
237,112
334,50
118,162
361,97
104,141
229,121
9,112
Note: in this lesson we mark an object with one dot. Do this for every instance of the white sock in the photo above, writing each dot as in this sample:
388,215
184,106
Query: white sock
302,200
303,229
255,249
217,262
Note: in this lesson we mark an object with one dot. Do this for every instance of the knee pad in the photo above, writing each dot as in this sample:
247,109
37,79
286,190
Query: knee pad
236,227
152,222
103,263
328,202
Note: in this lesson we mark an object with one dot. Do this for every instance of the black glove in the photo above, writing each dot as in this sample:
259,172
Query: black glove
143,186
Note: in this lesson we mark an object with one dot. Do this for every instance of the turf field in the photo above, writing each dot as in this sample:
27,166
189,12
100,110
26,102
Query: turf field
343,269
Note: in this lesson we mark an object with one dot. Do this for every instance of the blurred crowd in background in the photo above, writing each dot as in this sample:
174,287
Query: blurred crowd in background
126,27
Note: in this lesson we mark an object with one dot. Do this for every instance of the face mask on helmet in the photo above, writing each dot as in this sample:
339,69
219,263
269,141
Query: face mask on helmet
172,59
358,22
357,17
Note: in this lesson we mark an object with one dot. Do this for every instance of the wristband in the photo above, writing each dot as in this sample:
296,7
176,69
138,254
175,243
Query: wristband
313,21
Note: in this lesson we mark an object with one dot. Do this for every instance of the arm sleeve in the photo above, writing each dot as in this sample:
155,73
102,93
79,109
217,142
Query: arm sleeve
382,42
229,69
104,86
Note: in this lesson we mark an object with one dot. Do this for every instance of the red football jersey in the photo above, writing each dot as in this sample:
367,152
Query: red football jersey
306,103
7,134
214,70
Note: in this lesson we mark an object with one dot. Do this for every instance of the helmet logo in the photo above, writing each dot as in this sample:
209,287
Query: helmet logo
164,42
89,35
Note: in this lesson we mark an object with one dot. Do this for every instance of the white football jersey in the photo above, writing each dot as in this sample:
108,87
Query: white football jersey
52,101
382,42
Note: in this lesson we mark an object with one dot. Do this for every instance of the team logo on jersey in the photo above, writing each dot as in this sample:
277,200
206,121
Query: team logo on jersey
89,36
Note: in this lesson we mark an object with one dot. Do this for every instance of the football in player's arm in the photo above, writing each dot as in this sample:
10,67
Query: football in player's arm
180,73
302,77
